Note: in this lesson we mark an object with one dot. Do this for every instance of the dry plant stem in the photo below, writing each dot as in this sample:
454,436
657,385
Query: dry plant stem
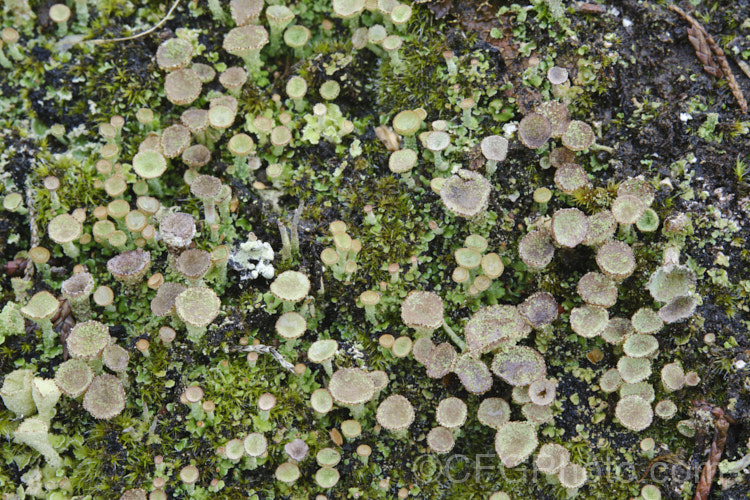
714,456
703,51
144,33
669,458
264,349
719,56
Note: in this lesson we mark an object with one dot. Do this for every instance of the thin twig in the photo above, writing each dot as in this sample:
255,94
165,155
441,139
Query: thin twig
714,456
133,37
703,51
719,53
264,349
669,458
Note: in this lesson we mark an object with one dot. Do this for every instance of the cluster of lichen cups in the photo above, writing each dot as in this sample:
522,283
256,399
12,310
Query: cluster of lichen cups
185,297
342,257
82,377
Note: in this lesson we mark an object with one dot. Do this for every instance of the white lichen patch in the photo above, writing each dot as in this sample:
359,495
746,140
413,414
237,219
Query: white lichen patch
253,258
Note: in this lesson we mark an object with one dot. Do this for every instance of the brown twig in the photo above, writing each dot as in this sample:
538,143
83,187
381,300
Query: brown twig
143,33
714,456
669,458
15,267
703,51
718,52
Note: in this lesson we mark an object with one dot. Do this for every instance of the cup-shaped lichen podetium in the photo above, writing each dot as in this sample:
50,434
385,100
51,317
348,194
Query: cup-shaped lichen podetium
349,10
597,290
438,360
422,311
495,149
266,403
437,142
572,477
297,450
40,309
569,227
519,365
87,340
542,391
451,413
129,268
407,123
150,165
401,162
197,307
539,309
396,414
59,13
536,250
570,177
327,477
391,45
207,188
246,42
297,37
16,392
291,326
163,302
287,473
233,79
34,432
189,475
634,413
558,116
473,373
46,395
241,145
193,264
177,231
255,445
116,358
290,287
352,388
534,130
578,136
73,377
64,229
323,351
321,402
77,289
196,120
369,299
279,17
466,194
182,87
588,321
493,412
192,396
515,442
616,260
440,440
234,450
673,377
105,397
174,54
175,140
493,326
